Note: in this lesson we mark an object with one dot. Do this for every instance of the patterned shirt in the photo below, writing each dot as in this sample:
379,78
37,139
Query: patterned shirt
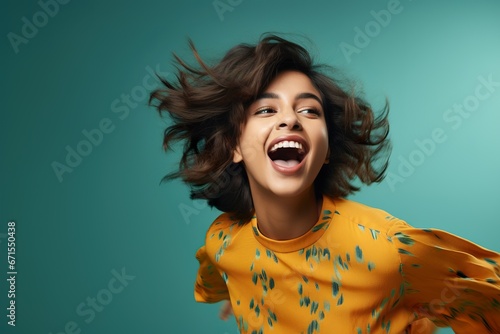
357,270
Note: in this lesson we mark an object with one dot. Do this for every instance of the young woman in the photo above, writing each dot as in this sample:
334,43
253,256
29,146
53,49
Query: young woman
277,144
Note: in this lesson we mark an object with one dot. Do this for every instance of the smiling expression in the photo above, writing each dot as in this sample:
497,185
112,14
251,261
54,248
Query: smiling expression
284,142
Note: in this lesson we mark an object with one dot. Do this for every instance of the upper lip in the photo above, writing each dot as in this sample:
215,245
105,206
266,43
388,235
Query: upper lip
295,138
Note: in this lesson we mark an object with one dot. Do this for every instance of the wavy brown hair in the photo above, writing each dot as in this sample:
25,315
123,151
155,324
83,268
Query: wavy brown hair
207,107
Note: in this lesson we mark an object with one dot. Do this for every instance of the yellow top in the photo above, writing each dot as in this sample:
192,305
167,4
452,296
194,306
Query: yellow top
358,270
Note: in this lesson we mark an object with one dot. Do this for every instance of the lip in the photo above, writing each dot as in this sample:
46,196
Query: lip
296,168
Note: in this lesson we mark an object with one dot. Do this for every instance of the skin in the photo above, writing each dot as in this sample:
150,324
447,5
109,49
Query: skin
285,204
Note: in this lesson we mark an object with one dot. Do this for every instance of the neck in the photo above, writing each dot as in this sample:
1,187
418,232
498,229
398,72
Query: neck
283,218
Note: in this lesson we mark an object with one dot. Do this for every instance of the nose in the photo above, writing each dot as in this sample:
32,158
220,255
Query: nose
289,121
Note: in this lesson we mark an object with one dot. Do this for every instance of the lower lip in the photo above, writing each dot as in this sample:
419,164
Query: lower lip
288,170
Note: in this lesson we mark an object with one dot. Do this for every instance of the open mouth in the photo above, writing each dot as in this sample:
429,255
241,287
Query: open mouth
287,153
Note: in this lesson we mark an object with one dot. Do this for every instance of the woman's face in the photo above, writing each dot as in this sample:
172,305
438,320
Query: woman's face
284,142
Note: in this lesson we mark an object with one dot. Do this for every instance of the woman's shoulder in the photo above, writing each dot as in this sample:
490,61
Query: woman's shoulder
223,227
363,214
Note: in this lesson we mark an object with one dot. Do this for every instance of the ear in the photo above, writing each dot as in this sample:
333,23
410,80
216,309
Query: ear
237,156
327,159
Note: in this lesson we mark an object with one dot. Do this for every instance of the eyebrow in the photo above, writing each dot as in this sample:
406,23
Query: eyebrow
299,96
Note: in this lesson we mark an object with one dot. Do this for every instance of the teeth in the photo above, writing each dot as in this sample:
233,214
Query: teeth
285,144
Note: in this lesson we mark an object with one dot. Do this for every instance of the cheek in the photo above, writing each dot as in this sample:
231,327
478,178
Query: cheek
322,140
252,140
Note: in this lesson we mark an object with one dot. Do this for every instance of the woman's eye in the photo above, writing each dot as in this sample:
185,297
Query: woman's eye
265,111
310,111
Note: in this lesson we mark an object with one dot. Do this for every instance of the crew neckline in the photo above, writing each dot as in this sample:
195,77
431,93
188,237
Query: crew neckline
306,239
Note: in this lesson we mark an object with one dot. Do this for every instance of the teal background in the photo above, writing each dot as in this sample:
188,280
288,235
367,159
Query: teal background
110,212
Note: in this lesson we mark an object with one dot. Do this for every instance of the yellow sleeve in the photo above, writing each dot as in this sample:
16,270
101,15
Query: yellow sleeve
209,286
449,280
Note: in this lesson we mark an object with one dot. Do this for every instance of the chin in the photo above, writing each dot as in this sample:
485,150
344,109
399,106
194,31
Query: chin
290,190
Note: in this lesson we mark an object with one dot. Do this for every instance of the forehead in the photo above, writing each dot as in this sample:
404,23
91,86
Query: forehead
292,82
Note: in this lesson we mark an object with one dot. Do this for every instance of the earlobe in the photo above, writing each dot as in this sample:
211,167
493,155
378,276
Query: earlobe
237,157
